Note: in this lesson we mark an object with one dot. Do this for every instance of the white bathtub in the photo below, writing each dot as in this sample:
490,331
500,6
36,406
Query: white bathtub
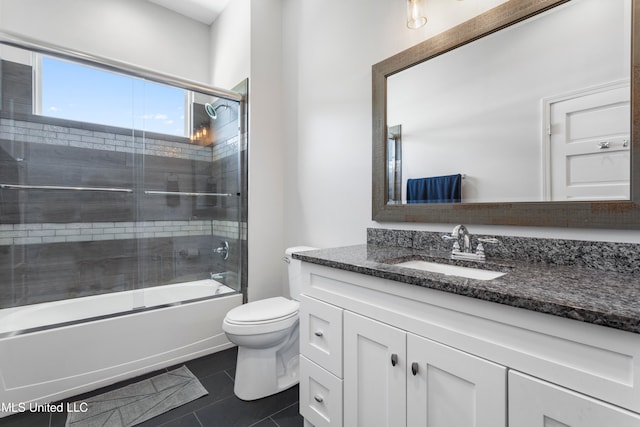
43,364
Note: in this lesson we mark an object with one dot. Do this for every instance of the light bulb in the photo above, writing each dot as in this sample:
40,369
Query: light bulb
415,16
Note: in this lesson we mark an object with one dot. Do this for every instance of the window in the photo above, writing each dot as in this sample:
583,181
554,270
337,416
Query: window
79,92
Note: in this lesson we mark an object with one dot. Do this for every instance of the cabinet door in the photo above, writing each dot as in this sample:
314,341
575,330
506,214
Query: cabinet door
374,373
535,403
447,387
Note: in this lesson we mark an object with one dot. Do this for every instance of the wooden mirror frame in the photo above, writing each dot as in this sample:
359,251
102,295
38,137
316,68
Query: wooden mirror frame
595,214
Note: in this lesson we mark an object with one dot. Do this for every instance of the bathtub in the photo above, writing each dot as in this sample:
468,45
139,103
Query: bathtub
55,350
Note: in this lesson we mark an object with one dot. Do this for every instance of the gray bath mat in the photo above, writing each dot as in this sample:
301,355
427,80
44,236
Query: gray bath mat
135,403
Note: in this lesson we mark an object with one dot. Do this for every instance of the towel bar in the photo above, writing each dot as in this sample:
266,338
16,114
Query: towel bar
184,193
118,190
59,187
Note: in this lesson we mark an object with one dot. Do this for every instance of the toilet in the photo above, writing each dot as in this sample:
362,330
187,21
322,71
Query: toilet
267,335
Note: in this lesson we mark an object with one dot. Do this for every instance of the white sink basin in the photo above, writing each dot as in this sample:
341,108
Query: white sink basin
452,270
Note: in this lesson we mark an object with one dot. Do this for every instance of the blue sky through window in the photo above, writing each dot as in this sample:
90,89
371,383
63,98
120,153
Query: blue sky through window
78,92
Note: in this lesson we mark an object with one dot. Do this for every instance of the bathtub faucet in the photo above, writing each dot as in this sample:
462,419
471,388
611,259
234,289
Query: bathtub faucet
218,276
223,250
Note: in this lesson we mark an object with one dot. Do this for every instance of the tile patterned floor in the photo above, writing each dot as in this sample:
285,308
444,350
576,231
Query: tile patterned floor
220,408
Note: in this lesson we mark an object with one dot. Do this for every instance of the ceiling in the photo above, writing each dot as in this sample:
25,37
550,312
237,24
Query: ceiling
205,11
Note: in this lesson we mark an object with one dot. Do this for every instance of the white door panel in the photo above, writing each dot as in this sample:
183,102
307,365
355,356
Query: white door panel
589,146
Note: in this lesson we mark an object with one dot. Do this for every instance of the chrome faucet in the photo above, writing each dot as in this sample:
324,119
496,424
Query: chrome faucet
462,248
216,276
462,237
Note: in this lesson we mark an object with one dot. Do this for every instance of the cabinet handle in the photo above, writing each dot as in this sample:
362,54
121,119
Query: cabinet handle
318,333
414,368
394,359
318,398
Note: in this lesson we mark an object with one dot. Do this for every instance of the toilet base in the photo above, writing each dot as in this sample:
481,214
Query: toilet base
261,373
255,379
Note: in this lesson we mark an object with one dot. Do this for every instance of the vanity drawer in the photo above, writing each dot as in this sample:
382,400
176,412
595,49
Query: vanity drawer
320,395
321,334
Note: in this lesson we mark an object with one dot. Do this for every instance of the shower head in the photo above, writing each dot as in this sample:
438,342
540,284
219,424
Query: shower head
213,111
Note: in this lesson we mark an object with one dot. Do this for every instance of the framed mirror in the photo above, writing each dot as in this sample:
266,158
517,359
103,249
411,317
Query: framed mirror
535,129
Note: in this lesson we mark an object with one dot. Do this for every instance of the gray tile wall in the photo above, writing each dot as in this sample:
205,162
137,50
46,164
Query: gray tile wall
42,164
16,89
35,273
60,244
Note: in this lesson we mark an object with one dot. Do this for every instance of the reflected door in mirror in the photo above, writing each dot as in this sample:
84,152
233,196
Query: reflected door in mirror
589,152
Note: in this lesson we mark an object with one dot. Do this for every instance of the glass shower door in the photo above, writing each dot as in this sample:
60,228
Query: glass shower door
189,206
66,185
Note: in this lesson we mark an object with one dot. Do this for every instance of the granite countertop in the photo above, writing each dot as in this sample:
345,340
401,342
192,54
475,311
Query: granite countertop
601,297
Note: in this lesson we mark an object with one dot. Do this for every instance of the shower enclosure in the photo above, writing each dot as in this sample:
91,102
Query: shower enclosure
115,180
121,191
89,206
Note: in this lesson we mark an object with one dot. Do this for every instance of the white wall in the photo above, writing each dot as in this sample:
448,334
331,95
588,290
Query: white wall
266,162
329,48
135,32
231,45
457,108
246,41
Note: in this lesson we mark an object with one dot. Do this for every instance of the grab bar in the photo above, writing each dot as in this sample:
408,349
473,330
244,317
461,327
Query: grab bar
58,187
182,193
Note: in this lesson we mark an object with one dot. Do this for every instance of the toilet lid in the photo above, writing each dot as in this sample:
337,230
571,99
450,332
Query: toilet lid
265,310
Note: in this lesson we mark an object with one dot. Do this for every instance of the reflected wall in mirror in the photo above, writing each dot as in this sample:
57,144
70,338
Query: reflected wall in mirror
524,111
529,102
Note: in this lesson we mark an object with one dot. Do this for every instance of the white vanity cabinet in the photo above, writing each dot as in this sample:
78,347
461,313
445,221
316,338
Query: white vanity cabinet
394,378
476,362
536,403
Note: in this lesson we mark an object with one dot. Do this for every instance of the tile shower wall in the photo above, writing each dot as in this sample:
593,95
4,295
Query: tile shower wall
39,152
60,244
27,234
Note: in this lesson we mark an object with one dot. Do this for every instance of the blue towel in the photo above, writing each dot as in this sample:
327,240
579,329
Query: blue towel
437,189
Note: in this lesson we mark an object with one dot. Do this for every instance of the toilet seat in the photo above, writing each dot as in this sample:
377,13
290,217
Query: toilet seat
266,310
260,317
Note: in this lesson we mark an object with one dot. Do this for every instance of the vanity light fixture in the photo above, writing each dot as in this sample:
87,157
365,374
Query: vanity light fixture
415,15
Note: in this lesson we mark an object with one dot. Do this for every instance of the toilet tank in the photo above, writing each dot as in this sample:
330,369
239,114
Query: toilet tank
293,270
